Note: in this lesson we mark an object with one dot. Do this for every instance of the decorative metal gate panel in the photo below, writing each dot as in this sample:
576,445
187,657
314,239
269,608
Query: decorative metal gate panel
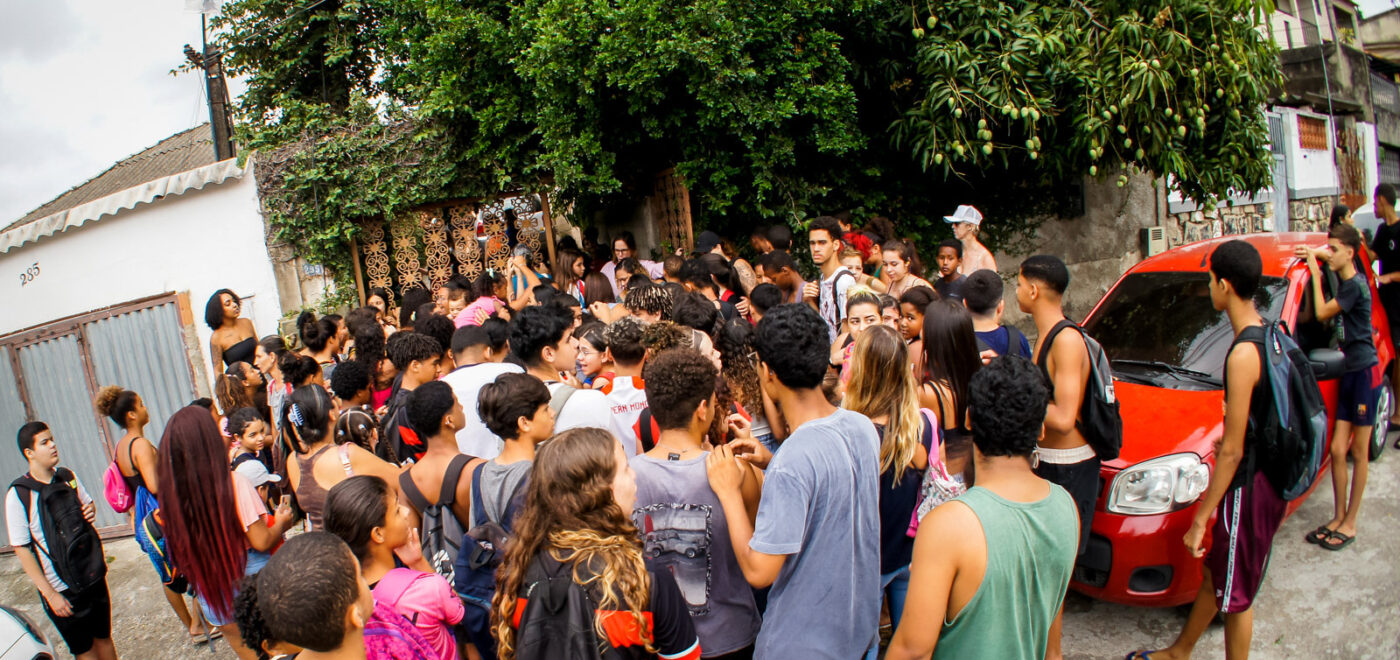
425,247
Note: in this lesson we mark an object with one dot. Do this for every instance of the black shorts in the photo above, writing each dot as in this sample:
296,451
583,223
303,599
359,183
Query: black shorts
1082,481
91,618
1357,394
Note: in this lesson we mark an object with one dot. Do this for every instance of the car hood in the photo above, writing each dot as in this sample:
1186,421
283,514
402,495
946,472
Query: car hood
1158,421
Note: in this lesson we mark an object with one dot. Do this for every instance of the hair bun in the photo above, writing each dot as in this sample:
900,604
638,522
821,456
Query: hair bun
107,399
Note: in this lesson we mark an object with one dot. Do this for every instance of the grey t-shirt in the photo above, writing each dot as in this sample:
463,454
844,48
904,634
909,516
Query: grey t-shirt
684,530
498,484
821,506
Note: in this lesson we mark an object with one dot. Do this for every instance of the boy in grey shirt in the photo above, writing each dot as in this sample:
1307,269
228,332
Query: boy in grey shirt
816,539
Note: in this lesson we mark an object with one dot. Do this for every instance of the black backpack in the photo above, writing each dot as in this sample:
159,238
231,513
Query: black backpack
1099,419
1290,441
74,548
558,618
441,531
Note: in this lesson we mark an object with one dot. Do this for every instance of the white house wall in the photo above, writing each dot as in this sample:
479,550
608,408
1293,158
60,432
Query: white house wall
197,242
1311,172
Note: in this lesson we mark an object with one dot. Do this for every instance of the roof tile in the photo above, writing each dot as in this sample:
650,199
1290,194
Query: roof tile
183,151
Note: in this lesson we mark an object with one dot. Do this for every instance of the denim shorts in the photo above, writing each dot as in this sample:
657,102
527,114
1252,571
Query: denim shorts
256,561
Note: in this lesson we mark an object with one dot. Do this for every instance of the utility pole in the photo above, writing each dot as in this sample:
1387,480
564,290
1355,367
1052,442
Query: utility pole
220,123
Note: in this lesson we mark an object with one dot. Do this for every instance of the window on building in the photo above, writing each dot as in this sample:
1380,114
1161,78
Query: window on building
1312,133
1287,7
1344,23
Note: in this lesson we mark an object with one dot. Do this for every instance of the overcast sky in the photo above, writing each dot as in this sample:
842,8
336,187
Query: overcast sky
85,83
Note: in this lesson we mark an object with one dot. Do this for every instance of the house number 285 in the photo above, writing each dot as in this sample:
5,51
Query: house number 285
29,274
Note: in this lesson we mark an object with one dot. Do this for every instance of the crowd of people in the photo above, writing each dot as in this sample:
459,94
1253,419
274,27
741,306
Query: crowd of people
703,457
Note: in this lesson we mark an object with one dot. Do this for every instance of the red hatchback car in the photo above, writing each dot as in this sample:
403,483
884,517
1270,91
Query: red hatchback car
1167,346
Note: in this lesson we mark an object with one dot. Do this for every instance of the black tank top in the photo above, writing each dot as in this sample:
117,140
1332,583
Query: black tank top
242,351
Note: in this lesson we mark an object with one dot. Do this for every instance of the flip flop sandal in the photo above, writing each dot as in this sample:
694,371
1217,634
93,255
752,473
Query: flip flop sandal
1317,536
1343,538
1141,654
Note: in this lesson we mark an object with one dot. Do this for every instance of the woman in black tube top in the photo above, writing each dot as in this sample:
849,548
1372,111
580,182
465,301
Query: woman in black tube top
234,339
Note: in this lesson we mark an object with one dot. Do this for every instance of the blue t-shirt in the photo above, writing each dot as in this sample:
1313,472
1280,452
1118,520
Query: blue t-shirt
821,507
1000,339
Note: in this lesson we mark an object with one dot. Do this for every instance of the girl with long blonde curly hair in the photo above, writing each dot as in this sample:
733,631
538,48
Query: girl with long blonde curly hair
883,388
575,521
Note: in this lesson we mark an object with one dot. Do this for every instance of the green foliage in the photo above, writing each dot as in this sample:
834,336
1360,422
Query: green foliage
1173,88
772,111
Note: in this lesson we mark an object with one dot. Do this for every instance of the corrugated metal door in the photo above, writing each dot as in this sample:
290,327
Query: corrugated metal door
12,464
59,395
143,351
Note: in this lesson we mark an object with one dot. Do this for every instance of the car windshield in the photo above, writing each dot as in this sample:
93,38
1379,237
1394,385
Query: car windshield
1160,328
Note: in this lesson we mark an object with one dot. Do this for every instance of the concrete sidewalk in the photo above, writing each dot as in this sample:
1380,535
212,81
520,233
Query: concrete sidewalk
1315,603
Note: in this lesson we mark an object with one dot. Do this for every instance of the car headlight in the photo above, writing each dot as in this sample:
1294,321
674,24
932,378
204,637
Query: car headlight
1158,486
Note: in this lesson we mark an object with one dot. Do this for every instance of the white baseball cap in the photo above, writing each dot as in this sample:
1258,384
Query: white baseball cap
966,214
256,472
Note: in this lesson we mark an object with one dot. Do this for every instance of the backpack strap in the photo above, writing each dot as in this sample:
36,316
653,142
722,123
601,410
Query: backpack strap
410,490
835,286
932,436
1013,339
478,515
27,486
1050,341
131,460
448,495
644,430
560,397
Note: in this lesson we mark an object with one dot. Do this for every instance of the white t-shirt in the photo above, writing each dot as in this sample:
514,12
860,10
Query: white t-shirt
585,408
626,402
831,300
21,533
474,439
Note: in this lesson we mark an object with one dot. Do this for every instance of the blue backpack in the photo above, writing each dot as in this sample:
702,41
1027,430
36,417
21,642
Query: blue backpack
483,548
1289,442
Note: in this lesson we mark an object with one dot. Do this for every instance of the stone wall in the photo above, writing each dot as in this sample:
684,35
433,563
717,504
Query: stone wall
1309,214
1192,226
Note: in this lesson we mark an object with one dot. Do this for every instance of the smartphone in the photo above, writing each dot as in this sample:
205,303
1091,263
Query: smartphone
285,501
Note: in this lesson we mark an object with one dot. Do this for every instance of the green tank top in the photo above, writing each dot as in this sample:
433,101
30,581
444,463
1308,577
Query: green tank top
1030,552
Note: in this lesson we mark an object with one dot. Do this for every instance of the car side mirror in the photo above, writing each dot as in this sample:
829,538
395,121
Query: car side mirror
1327,363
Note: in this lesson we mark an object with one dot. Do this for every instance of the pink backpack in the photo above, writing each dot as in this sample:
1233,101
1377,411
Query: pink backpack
938,486
115,486
389,636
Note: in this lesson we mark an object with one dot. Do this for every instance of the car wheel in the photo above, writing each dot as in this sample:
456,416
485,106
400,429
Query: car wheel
1384,406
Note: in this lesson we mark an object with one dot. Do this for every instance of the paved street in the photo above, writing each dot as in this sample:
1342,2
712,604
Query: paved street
1315,604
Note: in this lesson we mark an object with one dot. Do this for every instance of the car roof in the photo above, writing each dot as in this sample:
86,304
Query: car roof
1275,251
